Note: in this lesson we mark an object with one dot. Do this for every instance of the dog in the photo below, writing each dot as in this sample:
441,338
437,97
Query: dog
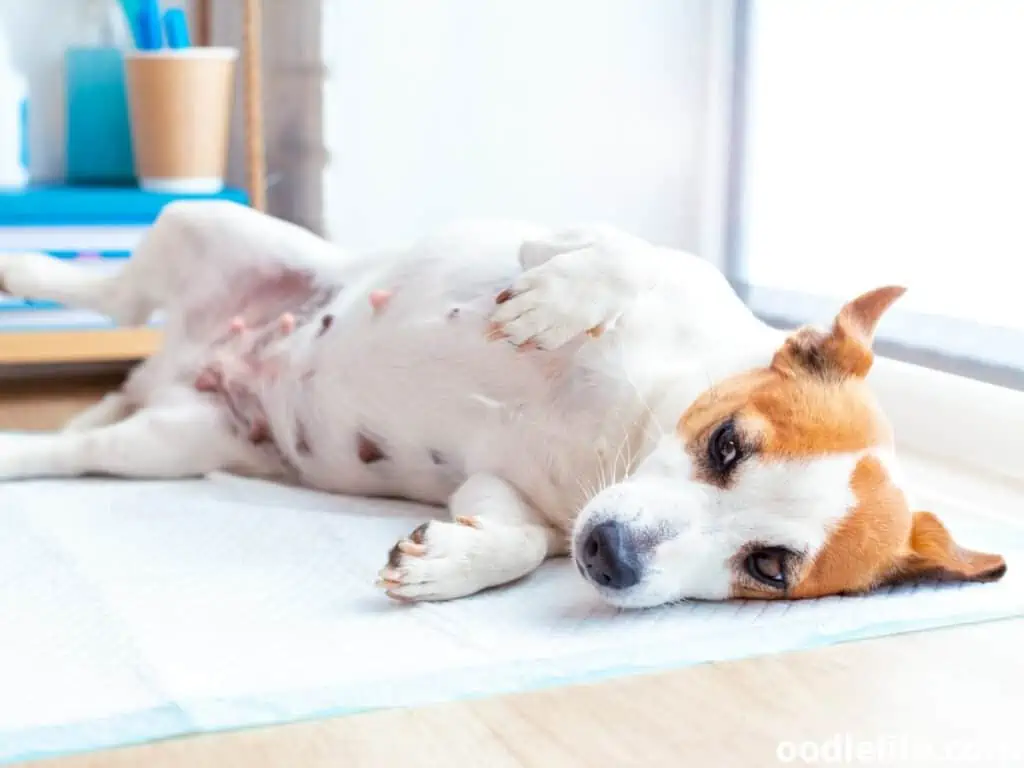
578,392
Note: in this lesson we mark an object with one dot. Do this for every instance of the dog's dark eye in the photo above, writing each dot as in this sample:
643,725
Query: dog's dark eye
724,448
768,566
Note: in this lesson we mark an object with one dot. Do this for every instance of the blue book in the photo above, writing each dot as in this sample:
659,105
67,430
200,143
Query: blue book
69,206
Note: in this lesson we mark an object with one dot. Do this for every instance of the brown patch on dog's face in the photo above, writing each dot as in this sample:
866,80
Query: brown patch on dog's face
879,542
866,542
777,417
789,418
811,400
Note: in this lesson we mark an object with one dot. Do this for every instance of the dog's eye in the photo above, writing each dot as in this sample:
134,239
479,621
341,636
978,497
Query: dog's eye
724,448
768,566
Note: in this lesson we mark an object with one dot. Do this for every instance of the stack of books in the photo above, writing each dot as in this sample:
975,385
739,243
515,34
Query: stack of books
95,226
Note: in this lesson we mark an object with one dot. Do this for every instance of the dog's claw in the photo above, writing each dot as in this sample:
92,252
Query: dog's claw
496,332
472,522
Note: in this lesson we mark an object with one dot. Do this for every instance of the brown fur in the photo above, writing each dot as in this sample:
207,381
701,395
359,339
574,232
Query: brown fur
866,542
813,401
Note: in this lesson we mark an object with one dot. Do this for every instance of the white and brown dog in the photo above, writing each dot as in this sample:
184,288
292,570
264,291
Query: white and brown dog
581,392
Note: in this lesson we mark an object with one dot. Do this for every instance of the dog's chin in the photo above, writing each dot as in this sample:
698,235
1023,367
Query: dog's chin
647,593
632,598
640,596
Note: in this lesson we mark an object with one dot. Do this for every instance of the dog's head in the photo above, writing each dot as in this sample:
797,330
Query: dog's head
777,483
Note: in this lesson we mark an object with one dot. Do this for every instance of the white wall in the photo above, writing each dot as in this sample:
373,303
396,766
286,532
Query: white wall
38,33
555,110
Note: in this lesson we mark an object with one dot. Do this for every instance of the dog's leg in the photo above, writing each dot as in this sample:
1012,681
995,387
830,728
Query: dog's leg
495,538
128,295
38,276
182,440
111,409
206,255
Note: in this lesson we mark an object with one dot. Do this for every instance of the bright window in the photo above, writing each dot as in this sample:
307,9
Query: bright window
884,143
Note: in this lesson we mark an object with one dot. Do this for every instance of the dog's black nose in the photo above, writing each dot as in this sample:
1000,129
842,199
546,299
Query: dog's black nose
609,557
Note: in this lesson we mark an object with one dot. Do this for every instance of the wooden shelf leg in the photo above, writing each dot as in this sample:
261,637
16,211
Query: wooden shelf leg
252,52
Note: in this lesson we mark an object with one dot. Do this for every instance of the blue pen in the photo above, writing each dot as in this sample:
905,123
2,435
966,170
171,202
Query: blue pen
176,28
131,16
148,35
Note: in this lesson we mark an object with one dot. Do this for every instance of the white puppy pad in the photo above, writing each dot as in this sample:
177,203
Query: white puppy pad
134,611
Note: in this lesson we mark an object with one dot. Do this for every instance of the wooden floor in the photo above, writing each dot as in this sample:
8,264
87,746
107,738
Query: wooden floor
956,695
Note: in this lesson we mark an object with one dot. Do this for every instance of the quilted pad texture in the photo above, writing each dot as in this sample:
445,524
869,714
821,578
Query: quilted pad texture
140,610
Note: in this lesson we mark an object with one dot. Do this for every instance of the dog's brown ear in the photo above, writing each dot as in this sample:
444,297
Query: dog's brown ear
846,349
932,554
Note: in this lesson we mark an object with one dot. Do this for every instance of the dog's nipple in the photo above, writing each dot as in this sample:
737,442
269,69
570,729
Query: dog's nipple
259,431
209,380
369,452
286,323
379,299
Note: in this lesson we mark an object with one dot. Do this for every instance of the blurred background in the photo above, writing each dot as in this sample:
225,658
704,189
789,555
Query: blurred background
810,149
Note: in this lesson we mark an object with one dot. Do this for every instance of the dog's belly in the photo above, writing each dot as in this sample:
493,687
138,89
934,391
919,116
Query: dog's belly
410,397
406,398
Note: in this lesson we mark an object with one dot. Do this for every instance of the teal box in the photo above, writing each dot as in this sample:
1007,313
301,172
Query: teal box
98,131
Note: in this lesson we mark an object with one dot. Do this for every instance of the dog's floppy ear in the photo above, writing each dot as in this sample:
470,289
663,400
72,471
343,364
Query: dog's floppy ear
846,349
932,554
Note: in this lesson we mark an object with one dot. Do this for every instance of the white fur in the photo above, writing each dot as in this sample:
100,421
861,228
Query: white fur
529,437
783,503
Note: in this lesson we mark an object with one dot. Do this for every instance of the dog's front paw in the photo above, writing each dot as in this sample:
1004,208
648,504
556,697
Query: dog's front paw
439,561
571,294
